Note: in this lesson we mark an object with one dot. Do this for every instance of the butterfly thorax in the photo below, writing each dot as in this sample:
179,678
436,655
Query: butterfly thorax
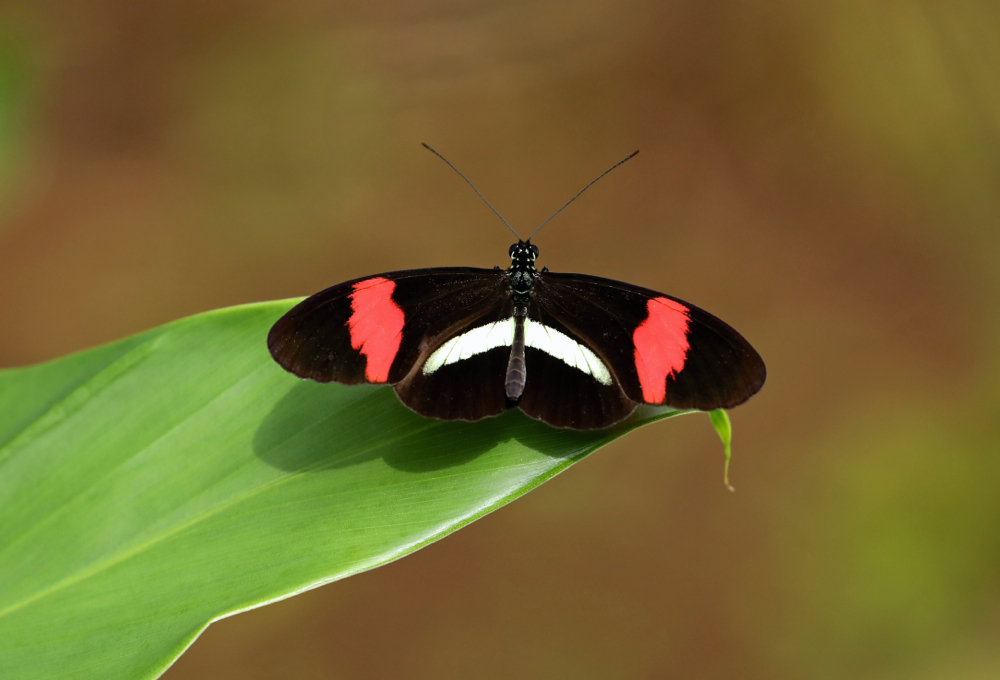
522,271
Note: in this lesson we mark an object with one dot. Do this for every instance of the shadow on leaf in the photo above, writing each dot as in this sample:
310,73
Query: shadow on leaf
319,427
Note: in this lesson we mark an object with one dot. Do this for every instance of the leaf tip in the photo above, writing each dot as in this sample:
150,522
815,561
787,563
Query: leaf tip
720,421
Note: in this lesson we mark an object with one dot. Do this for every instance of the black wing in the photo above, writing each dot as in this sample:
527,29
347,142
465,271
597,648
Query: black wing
567,391
660,350
377,328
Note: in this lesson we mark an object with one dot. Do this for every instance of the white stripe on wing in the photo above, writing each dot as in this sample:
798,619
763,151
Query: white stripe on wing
501,334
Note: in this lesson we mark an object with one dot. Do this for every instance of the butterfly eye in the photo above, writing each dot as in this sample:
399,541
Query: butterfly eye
534,252
510,253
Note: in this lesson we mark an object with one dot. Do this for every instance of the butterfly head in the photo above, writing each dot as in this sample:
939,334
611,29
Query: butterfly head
523,254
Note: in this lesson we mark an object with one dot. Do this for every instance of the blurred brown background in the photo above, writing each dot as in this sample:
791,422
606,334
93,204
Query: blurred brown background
825,176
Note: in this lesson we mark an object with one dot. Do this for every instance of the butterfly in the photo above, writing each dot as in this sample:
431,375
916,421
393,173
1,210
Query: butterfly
571,350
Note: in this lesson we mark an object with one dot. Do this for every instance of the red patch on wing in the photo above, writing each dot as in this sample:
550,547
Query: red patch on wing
661,347
376,326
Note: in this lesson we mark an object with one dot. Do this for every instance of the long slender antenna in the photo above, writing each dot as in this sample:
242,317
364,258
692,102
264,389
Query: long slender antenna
631,155
474,186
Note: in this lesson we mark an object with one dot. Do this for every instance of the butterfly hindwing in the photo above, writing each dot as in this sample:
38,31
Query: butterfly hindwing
460,374
567,383
661,350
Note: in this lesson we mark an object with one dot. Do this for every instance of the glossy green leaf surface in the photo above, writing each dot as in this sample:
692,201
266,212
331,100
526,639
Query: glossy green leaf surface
156,484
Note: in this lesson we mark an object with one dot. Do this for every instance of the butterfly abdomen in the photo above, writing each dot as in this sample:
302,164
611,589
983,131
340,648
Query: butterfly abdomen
517,371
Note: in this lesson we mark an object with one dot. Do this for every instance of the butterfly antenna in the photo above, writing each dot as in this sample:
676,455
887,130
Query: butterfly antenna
474,186
630,156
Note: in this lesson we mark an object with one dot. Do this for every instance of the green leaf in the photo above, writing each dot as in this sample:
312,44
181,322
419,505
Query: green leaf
154,485
720,421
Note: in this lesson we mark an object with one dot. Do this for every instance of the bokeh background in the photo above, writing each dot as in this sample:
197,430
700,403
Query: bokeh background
825,176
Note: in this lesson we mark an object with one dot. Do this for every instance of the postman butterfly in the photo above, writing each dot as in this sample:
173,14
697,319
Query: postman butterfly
571,350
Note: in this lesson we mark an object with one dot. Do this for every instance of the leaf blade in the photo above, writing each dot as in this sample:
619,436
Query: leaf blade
154,485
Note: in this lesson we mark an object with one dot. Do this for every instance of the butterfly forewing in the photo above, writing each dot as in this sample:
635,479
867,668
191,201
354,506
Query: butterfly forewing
376,329
661,350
